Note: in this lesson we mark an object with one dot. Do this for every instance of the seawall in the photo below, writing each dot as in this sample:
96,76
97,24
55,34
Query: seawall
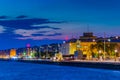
100,65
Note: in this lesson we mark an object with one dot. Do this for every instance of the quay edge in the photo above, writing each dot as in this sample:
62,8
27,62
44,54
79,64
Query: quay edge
99,65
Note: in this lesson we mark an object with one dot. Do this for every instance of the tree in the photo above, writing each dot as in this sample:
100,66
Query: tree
109,48
92,48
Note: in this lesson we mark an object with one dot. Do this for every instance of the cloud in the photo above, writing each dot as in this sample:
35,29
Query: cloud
21,16
25,32
68,27
35,34
30,28
59,31
43,31
39,26
55,34
38,35
40,38
56,28
2,29
48,34
27,23
3,17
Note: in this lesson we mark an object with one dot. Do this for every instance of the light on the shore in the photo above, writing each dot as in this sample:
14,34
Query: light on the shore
116,51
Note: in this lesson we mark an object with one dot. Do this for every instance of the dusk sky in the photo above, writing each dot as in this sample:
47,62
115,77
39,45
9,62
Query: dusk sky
49,21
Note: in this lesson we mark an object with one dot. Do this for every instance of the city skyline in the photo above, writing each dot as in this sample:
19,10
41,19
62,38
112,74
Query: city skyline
40,22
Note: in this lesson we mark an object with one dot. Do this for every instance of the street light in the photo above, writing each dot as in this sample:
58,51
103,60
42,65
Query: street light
93,40
116,37
109,40
100,51
100,55
104,46
115,53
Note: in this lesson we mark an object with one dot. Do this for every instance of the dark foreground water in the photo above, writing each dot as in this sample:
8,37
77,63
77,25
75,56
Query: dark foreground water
29,71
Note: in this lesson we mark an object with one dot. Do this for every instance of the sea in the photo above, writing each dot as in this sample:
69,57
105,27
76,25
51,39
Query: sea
11,70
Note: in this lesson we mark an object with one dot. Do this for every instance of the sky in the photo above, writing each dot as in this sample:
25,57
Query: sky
39,22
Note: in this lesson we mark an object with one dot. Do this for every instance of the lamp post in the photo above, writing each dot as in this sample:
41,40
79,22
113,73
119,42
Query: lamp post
109,45
99,52
116,37
115,53
93,40
100,55
104,46
109,40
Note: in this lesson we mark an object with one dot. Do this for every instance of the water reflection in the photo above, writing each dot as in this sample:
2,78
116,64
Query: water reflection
28,71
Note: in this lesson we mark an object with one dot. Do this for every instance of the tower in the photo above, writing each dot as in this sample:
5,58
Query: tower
28,49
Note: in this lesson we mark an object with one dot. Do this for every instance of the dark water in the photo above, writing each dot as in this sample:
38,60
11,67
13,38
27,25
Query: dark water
28,71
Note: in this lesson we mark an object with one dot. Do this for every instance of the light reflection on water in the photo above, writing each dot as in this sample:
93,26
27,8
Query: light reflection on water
28,71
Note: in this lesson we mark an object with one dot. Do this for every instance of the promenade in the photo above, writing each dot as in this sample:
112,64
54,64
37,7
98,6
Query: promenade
112,65
107,64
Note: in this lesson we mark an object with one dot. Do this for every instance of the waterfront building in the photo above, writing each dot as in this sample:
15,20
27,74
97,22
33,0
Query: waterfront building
82,44
92,47
111,46
87,46
4,53
88,37
12,52
21,52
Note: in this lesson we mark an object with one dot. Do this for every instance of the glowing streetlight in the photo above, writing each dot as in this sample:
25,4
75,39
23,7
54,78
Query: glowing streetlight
116,37
100,51
100,55
109,40
104,46
115,50
115,53
93,40
70,44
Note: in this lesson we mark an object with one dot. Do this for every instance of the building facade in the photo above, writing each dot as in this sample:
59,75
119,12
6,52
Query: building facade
91,46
